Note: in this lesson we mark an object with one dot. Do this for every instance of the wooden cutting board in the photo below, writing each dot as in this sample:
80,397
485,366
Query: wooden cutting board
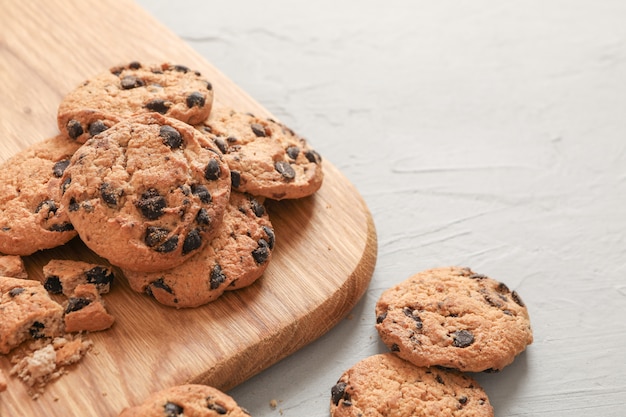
326,244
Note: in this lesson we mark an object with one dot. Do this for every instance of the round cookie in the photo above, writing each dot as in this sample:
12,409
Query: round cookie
385,385
455,318
30,215
265,157
146,194
187,400
235,258
100,102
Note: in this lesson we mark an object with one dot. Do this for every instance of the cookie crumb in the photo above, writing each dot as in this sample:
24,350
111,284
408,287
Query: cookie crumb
273,403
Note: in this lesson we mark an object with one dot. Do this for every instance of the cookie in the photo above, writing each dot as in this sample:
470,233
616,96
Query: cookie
385,385
123,91
146,194
85,311
12,266
235,258
62,276
455,318
27,312
266,158
30,216
187,400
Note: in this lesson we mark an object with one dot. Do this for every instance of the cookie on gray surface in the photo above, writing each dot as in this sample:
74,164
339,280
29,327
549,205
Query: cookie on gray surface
146,194
30,215
266,158
385,385
187,400
455,318
123,91
235,258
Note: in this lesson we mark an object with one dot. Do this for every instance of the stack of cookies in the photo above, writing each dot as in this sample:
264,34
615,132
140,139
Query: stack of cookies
439,325
160,181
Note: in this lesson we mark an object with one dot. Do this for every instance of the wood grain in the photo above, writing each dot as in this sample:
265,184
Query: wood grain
325,250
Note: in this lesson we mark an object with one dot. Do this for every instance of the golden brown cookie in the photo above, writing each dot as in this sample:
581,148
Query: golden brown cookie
385,385
147,194
266,158
123,91
187,400
235,258
85,311
455,318
30,216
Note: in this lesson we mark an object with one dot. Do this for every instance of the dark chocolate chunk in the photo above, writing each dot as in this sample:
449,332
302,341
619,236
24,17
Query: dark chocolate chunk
412,313
192,242
74,129
53,284
172,410
36,329
65,185
235,179
270,236
159,283
518,300
157,239
213,170
217,277
61,227
462,338
209,86
100,276
151,204
203,217
134,65
74,205
180,68
97,127
293,152
49,204
221,145
130,81
338,393
285,169
257,208
201,192
108,194
171,137
76,303
59,167
395,347
219,409
158,105
261,253
313,156
195,99
258,130
381,317
14,292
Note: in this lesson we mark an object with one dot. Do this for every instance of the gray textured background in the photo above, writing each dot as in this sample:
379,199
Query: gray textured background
480,133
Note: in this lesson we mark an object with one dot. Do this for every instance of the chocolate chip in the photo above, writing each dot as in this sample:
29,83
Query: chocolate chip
130,81
134,65
313,156
285,169
74,129
412,313
181,68
217,277
65,185
36,329
76,303
463,400
462,338
203,217
217,408
518,300
221,145
157,239
172,410
171,137
439,379
158,105
381,317
74,205
257,208
502,288
258,130
477,276
231,139
293,152
99,276
61,227
59,168
159,283
262,252
270,236
108,194
235,179
209,86
16,291
151,204
338,393
49,204
213,170
53,284
192,242
395,347
195,99
202,193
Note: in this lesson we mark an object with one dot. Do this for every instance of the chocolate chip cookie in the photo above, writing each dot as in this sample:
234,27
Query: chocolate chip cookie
30,215
387,386
455,318
187,400
266,158
146,194
99,102
62,276
235,258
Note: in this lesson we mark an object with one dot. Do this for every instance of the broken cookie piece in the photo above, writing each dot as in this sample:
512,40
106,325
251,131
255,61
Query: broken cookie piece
12,266
62,276
85,311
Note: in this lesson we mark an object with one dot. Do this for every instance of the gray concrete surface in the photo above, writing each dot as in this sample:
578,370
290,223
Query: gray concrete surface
486,134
